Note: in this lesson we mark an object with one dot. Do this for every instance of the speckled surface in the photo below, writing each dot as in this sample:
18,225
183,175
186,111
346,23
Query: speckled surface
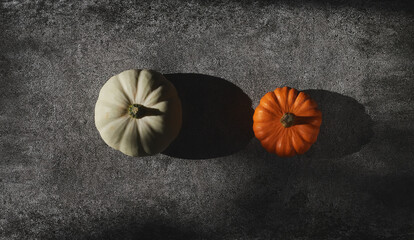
59,180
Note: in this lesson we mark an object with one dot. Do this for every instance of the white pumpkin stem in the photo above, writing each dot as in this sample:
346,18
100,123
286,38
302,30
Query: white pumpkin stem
136,110
140,111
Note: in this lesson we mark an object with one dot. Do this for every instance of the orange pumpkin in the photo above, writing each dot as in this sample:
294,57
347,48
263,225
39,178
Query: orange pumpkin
287,122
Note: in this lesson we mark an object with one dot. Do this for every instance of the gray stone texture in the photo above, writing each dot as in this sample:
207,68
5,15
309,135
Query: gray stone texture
59,180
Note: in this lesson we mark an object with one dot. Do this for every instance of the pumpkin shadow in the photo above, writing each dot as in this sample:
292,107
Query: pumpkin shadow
126,226
346,127
217,117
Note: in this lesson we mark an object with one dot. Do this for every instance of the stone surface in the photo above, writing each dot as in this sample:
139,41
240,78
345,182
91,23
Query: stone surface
59,180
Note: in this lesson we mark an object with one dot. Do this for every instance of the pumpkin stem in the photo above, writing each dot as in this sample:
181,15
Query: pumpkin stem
140,111
136,110
288,120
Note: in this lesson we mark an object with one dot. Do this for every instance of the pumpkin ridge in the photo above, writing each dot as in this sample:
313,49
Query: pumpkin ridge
315,122
268,142
162,100
277,131
281,97
157,107
140,147
309,112
264,112
104,127
292,141
280,145
113,104
304,130
122,89
124,135
145,84
150,96
292,148
149,132
306,106
309,118
105,113
298,136
143,123
127,80
267,109
300,99
291,98
270,104
158,90
137,83
274,97
121,127
154,86
272,134
152,130
113,83
266,134
267,124
309,115
287,99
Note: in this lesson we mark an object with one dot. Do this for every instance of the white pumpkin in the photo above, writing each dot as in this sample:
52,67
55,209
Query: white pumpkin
138,112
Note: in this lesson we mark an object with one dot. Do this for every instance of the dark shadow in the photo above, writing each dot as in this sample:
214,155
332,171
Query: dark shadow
217,117
345,125
149,231
392,191
124,229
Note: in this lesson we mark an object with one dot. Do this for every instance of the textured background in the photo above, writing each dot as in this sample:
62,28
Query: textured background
58,179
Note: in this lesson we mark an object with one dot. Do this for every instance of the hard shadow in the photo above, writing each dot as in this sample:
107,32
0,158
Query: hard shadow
217,117
346,127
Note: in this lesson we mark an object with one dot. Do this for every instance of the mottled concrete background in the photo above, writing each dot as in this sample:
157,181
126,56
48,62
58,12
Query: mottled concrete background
59,180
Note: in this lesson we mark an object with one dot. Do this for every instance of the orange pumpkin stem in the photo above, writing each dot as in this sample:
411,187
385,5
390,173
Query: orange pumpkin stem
288,120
